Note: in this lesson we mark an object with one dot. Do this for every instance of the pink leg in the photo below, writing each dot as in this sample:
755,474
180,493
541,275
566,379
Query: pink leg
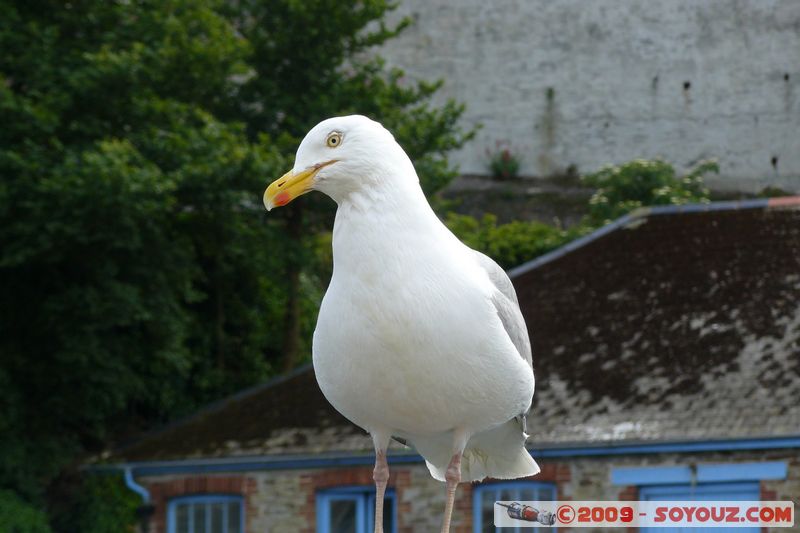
381,477
453,478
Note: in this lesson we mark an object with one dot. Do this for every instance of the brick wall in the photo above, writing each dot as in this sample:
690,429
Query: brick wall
285,501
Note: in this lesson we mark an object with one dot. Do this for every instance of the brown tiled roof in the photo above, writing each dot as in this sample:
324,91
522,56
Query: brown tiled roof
286,415
670,324
676,325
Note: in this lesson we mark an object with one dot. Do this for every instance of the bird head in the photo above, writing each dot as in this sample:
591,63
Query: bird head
339,156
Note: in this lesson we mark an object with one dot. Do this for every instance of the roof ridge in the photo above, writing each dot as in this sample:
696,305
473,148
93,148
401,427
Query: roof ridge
644,212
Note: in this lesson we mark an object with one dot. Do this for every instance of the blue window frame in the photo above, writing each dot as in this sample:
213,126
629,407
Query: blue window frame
485,495
352,510
702,473
206,513
698,492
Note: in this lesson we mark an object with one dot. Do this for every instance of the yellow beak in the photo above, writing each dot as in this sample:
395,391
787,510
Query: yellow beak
289,186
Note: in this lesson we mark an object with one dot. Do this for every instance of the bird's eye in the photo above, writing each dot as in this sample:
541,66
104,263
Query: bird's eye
334,139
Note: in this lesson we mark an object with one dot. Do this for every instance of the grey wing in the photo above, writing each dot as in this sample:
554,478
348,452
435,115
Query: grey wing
507,306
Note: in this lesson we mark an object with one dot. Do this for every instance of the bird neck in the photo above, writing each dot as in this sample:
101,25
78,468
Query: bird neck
387,220
388,191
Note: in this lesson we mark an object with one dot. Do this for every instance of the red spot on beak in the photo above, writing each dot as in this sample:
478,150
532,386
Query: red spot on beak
282,198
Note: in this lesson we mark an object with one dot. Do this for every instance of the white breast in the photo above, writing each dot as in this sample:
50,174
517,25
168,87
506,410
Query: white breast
407,338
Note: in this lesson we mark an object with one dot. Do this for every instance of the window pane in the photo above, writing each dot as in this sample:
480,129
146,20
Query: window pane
507,495
388,514
488,497
343,516
217,509
513,492
182,519
234,520
546,494
199,518
207,515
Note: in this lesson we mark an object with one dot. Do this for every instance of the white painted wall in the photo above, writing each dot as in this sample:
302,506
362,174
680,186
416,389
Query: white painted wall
617,70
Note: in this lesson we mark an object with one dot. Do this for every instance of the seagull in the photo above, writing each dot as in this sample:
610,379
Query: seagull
419,338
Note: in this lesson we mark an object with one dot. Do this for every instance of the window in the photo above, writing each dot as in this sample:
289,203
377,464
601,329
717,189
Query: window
486,495
352,510
701,491
705,481
206,514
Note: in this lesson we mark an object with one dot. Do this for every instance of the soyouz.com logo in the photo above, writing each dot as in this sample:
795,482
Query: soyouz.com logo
644,513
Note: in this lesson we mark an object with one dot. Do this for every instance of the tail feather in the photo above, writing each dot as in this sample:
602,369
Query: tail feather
498,453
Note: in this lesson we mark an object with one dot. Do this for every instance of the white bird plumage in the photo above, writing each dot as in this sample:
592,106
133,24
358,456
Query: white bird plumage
418,336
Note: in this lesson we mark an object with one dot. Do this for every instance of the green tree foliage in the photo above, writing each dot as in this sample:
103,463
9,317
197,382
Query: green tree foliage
20,517
123,203
102,504
139,275
509,244
639,183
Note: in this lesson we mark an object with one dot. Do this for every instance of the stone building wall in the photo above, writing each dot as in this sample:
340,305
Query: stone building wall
284,501
571,82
